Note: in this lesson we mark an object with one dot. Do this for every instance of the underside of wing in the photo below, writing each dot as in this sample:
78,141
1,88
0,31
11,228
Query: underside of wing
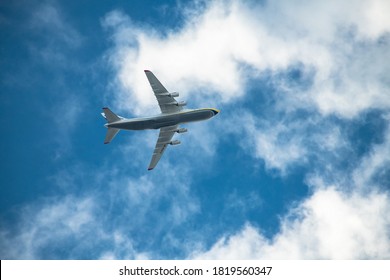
164,139
167,103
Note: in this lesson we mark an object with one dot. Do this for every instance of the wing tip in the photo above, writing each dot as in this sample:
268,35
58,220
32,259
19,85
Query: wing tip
150,168
147,71
104,108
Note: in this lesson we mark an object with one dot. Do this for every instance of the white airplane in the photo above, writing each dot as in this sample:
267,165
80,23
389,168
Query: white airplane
172,114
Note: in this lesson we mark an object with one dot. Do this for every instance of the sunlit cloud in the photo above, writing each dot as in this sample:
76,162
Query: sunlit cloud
328,225
215,51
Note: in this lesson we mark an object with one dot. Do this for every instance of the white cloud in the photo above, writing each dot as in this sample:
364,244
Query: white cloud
323,19
203,58
122,249
328,225
115,216
146,192
274,145
287,142
52,224
346,220
338,47
375,164
210,55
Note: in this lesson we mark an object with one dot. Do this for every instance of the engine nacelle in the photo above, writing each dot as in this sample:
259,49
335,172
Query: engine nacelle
181,103
170,94
173,94
174,142
182,130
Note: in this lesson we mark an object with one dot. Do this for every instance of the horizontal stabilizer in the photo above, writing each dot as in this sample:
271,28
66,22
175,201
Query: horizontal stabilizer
111,132
110,116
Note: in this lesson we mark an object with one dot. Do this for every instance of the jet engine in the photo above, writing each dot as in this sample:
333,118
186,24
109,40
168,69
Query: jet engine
173,94
170,94
182,130
181,103
174,142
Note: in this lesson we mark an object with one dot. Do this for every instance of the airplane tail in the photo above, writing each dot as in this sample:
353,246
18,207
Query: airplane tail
111,133
110,117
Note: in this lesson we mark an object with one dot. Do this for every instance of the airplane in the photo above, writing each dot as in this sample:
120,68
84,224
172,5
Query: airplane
172,115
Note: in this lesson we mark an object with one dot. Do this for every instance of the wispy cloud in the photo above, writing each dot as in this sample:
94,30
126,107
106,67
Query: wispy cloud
328,225
42,229
49,19
373,169
53,47
103,214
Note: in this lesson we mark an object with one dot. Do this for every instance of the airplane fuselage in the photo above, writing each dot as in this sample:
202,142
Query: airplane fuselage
163,120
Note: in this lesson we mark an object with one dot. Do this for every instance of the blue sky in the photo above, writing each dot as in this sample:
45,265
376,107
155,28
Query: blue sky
296,165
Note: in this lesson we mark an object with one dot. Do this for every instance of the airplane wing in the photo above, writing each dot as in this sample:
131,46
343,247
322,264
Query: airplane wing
164,139
167,103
